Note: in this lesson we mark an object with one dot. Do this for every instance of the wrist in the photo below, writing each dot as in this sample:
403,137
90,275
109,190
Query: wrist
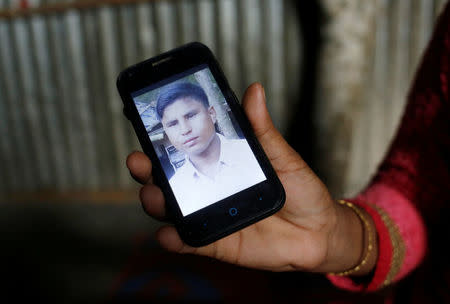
352,246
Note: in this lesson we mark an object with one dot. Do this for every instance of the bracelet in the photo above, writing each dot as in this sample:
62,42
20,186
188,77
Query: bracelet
369,247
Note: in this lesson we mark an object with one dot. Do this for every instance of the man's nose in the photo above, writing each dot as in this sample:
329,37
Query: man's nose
185,127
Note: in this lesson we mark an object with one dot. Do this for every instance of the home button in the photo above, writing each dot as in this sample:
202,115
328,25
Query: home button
233,211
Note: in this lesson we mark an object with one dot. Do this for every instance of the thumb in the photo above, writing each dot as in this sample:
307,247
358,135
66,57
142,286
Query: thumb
254,104
273,143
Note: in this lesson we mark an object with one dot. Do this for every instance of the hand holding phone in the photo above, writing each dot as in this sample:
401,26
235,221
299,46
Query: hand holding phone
308,233
295,238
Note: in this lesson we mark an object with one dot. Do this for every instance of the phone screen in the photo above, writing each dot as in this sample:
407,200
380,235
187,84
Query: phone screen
202,150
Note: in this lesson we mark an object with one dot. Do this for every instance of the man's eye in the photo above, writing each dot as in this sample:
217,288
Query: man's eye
172,124
190,115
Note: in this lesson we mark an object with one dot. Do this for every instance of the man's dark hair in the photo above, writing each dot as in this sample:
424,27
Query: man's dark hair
178,90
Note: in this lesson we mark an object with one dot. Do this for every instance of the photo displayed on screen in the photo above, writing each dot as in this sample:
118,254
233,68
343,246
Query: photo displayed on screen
201,148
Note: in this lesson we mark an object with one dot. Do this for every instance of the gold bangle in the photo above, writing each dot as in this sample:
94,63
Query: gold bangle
370,243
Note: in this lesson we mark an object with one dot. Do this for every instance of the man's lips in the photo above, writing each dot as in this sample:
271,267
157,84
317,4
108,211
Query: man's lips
190,140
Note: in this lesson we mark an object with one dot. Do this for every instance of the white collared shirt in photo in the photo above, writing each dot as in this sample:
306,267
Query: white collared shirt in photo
238,170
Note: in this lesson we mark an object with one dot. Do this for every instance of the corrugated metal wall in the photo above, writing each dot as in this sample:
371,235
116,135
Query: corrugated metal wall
61,123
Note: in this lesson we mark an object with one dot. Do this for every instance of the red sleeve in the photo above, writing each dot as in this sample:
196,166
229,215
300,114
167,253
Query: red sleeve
412,185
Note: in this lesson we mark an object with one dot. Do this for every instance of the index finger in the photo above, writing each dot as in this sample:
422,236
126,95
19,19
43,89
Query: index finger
140,167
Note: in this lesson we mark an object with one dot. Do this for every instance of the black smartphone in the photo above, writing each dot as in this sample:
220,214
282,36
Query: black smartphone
214,174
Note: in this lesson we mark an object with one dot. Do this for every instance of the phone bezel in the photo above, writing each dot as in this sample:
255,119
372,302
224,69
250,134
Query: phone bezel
212,222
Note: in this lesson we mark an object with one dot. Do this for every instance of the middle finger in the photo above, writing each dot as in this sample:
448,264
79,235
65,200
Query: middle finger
153,201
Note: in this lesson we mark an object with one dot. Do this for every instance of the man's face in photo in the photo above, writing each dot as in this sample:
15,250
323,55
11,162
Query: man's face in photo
189,125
